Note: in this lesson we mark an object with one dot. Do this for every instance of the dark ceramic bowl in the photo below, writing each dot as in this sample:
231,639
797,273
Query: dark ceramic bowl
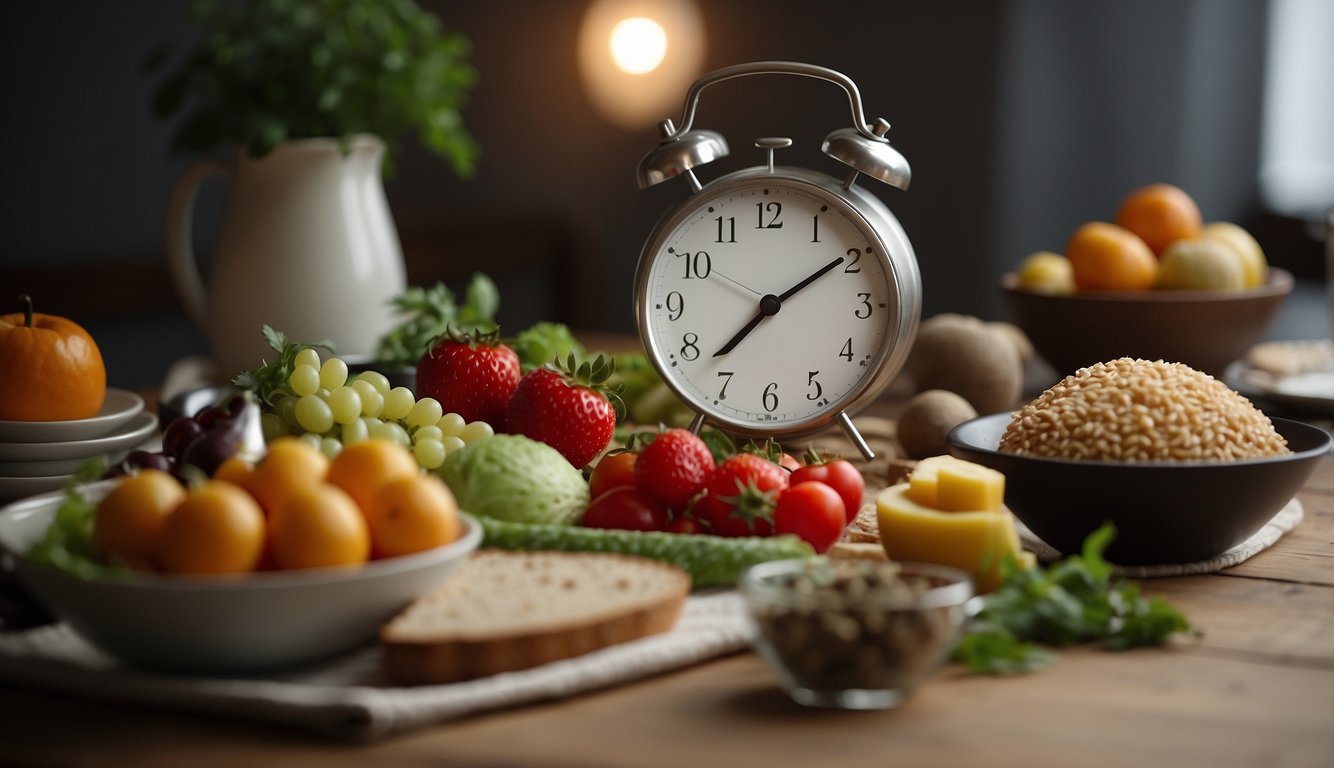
1164,512
1206,330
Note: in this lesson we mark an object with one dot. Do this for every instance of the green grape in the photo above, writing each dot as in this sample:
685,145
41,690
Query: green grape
392,431
314,415
355,431
372,423
475,431
345,404
451,443
429,453
333,374
397,403
429,432
426,411
272,426
375,379
304,380
286,410
451,424
308,356
330,447
311,439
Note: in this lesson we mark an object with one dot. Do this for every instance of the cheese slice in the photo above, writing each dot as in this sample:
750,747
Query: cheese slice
974,541
962,486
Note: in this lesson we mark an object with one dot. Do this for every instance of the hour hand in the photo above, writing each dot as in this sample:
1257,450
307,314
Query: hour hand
769,305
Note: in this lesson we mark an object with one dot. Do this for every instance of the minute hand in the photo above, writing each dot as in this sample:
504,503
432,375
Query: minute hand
770,304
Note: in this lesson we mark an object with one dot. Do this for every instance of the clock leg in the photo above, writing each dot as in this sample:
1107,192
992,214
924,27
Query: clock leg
696,424
856,437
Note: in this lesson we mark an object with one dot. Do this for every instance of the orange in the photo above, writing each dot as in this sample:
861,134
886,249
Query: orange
1160,214
53,370
217,529
361,468
127,526
235,470
319,526
289,463
412,514
1105,257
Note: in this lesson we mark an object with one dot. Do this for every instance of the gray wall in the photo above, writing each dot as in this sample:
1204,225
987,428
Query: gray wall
1021,119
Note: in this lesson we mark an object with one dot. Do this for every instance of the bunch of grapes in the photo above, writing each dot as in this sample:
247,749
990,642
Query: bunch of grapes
329,411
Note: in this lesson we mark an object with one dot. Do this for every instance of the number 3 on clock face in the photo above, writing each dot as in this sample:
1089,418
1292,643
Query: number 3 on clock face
770,304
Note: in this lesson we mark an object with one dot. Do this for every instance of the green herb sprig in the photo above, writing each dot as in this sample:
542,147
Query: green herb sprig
429,313
268,382
1076,600
68,541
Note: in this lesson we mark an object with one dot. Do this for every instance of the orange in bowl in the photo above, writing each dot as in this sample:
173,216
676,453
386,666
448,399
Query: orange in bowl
1106,257
1160,214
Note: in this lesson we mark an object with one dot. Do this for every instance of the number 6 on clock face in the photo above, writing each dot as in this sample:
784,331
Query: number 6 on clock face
775,300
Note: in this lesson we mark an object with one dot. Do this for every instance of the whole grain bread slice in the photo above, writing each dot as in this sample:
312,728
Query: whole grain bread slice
505,611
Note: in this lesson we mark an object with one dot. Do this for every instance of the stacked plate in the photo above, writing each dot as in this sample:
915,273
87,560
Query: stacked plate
39,456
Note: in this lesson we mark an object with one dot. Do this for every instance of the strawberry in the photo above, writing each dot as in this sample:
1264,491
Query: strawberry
673,468
566,407
740,495
471,375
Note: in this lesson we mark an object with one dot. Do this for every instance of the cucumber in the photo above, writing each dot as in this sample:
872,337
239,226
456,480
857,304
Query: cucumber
710,560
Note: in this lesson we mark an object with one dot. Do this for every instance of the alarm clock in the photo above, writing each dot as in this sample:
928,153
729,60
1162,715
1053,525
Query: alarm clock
777,301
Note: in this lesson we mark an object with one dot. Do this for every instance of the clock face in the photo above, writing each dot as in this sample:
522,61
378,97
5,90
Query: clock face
768,304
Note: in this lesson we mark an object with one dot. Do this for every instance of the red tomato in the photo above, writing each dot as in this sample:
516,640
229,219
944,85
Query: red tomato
813,511
614,470
684,525
842,477
739,496
625,507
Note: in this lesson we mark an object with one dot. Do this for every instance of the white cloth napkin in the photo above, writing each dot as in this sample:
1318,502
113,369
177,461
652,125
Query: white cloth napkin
349,698
1285,520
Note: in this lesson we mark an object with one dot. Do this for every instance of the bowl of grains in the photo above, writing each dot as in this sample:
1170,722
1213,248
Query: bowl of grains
1182,465
854,634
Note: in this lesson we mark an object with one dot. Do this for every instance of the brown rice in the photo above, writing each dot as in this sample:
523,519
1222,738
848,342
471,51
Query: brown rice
1136,410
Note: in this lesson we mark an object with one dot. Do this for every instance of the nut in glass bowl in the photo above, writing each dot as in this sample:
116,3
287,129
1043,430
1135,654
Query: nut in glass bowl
854,634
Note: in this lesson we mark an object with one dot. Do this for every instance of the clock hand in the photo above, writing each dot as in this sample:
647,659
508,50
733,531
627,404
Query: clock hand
814,276
737,283
770,304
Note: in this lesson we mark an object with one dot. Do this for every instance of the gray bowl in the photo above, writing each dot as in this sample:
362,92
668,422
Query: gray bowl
1164,512
219,625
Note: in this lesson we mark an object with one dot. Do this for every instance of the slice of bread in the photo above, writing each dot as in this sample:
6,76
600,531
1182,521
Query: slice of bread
505,611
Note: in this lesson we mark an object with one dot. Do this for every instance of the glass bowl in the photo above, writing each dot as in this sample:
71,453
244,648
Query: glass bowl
854,634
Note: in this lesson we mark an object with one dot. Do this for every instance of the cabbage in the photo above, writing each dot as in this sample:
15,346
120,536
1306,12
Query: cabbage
515,478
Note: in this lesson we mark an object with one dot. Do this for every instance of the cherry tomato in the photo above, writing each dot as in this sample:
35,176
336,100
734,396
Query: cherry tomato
840,475
739,494
813,511
614,470
626,507
684,524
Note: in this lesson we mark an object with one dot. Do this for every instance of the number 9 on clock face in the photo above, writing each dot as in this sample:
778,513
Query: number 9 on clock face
771,303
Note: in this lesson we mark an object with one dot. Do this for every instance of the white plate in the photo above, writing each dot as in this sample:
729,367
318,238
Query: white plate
52,468
119,406
1313,391
12,488
135,431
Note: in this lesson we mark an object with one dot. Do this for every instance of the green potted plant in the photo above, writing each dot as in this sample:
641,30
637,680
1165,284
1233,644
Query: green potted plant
264,72
313,97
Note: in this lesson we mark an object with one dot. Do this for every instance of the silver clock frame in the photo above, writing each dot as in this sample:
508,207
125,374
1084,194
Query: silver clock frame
892,248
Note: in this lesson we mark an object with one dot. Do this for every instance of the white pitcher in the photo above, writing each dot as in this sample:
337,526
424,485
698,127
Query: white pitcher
307,246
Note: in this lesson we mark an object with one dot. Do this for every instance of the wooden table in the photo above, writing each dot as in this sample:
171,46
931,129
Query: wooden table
1256,690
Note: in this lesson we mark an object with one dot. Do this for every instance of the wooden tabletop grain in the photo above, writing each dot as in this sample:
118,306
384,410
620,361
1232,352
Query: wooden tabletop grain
1257,689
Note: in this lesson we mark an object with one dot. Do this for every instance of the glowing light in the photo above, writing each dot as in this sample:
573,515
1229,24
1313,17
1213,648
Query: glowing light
638,45
638,57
